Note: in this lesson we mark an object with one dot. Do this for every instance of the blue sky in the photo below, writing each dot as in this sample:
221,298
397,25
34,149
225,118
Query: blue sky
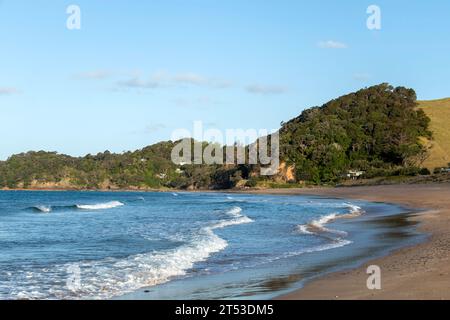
138,70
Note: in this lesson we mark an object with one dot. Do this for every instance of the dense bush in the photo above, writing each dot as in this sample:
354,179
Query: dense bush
424,172
375,130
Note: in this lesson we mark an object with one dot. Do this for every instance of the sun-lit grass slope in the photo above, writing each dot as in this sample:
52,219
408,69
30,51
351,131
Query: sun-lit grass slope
439,113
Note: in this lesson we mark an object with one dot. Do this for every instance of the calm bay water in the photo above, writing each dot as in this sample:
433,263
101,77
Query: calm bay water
98,245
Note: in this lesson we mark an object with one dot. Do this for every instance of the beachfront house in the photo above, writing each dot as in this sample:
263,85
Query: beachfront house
354,174
442,170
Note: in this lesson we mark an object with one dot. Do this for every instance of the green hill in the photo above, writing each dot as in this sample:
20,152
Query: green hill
377,130
439,113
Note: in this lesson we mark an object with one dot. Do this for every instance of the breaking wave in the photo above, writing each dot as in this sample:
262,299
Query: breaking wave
238,218
43,209
317,226
110,277
98,206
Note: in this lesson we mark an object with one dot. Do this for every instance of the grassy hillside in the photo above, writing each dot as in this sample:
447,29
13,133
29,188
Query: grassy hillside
439,113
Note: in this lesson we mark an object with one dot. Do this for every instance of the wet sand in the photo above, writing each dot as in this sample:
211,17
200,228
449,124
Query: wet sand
418,272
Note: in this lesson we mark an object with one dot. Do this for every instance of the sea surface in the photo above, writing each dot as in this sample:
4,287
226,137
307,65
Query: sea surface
131,245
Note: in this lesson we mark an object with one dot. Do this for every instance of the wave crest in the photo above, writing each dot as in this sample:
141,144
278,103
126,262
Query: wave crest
100,206
43,209
238,218
113,277
317,226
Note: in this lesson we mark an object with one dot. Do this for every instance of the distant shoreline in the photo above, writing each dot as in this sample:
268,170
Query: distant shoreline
434,180
92,190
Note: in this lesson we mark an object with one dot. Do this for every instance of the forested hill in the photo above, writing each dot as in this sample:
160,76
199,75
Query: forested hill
377,130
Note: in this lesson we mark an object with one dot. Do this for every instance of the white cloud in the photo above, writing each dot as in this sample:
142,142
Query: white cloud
154,128
4,91
95,75
138,83
201,102
265,89
165,79
361,76
190,78
150,129
331,44
200,80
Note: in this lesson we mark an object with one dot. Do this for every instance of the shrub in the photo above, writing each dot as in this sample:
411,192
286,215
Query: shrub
251,183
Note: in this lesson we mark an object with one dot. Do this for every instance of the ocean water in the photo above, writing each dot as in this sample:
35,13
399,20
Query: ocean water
103,245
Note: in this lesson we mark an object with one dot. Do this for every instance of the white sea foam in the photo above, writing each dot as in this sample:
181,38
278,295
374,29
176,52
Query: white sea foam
111,277
235,212
232,199
100,206
238,218
318,225
303,229
44,209
355,211
335,244
353,208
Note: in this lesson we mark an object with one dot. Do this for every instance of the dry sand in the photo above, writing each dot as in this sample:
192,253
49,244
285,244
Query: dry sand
417,272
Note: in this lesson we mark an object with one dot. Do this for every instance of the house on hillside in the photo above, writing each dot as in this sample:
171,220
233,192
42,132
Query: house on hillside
354,174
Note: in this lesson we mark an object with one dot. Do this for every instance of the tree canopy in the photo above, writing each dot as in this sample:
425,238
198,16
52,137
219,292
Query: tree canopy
376,129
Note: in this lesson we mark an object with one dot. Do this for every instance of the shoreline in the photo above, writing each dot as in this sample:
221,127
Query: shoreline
419,271
315,264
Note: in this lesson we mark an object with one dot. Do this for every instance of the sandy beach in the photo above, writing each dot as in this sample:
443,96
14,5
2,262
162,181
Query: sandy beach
418,272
